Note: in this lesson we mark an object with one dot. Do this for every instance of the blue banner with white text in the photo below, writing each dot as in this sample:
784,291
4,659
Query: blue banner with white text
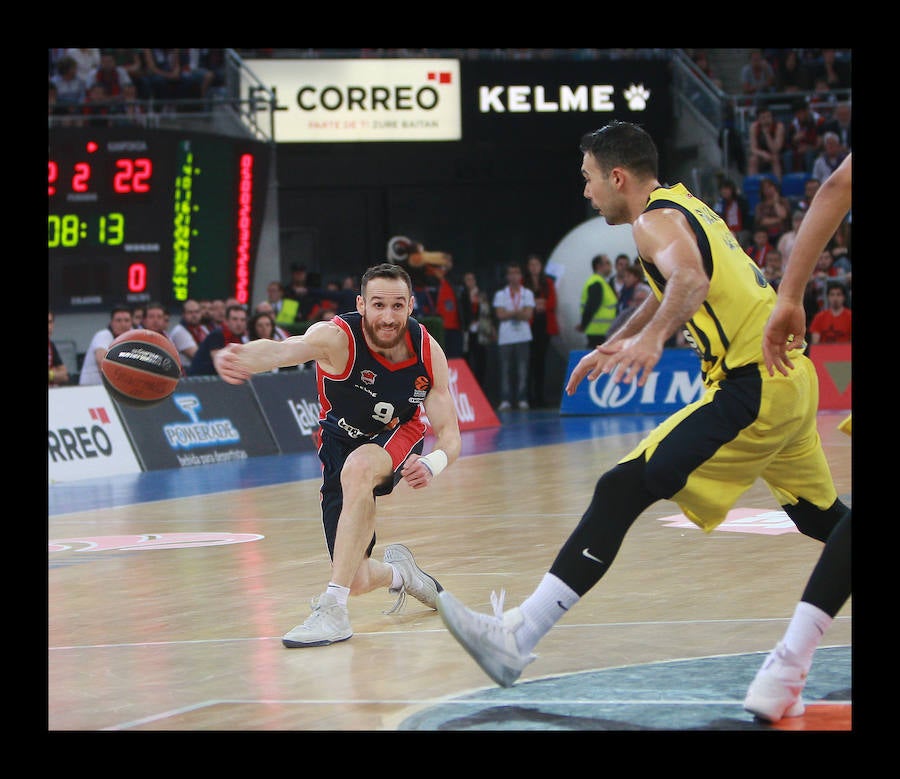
674,382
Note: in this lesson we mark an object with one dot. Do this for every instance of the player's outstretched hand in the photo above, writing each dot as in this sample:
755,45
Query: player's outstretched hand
591,365
415,473
228,364
784,331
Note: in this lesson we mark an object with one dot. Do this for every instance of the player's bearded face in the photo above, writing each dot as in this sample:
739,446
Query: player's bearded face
385,328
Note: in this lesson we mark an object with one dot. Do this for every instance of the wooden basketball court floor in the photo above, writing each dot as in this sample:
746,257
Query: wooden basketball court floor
169,591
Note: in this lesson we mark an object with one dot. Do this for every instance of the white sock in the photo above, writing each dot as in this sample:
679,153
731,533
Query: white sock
805,631
339,592
396,578
542,609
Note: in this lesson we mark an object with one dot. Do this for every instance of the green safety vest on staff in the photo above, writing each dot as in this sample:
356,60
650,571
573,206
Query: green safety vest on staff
287,314
606,311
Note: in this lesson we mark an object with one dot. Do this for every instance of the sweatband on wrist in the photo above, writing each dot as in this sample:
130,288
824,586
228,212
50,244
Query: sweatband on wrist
435,461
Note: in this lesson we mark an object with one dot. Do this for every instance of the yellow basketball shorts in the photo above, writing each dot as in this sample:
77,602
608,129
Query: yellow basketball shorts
748,426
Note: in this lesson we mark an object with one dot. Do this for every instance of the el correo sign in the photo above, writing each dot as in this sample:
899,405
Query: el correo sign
363,99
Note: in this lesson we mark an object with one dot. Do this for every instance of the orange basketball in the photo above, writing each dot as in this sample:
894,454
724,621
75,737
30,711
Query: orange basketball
141,368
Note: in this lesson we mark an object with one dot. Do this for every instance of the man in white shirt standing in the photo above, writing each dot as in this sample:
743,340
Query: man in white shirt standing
513,305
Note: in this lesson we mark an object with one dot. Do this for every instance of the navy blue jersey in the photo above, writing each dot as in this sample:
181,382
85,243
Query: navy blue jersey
371,394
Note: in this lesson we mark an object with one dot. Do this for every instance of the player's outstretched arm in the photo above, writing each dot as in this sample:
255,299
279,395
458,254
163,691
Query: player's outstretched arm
786,327
323,342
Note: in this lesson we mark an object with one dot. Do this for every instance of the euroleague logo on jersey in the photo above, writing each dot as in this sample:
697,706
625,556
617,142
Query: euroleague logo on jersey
420,389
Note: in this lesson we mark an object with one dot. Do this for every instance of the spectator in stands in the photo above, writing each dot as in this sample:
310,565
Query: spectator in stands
804,140
53,107
119,322
111,76
163,75
634,275
58,373
285,309
640,291
757,76
192,320
138,312
156,319
734,209
513,307
790,73
213,60
786,243
194,79
774,268
617,282
833,71
129,112
478,320
544,326
443,292
766,137
348,294
71,90
761,247
832,325
840,123
189,333
772,211
232,331
216,314
86,62
265,307
605,268
830,157
827,270
598,303
701,60
262,325
97,107
810,187
822,100
300,289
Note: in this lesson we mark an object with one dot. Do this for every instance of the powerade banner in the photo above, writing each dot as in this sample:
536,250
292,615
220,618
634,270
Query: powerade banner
204,421
675,382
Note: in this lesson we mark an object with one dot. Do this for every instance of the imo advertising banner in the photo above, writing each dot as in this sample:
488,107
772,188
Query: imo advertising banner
833,365
204,421
85,436
675,382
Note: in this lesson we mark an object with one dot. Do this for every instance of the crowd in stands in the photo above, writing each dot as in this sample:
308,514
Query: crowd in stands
112,87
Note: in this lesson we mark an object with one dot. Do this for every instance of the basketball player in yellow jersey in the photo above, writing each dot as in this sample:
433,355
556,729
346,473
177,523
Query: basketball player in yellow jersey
747,425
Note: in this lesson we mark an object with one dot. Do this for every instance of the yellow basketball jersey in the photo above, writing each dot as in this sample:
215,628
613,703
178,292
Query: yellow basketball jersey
727,329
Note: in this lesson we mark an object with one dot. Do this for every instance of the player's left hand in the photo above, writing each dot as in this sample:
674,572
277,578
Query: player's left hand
415,474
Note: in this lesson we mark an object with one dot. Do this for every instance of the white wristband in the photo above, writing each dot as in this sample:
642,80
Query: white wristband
435,461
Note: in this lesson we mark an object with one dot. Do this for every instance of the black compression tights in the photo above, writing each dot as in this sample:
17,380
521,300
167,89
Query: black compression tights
829,585
619,498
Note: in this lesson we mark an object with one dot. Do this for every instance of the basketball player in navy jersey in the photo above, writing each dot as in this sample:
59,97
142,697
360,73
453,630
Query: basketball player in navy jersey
747,425
378,371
